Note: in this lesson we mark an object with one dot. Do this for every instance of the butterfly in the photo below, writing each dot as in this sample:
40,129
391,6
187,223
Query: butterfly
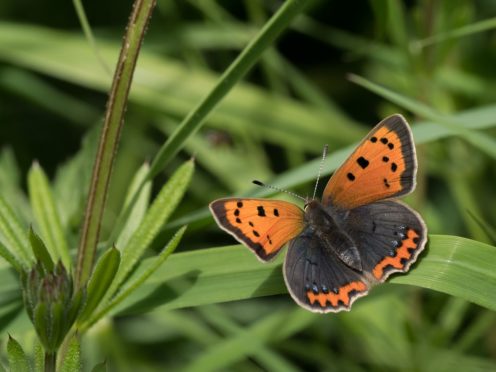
354,237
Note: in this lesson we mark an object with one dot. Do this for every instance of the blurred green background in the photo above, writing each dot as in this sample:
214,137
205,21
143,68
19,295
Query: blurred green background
435,58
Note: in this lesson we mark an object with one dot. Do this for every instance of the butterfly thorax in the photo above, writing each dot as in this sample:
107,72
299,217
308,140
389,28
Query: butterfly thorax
325,227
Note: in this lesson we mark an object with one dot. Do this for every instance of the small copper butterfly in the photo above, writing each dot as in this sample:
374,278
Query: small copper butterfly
355,237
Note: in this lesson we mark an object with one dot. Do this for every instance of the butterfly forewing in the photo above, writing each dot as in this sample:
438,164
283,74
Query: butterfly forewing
261,224
383,166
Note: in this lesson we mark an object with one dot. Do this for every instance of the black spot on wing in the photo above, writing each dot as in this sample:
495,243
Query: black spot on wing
261,211
351,176
362,162
276,212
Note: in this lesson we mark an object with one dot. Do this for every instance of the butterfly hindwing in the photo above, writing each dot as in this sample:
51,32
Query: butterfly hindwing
389,236
261,224
317,279
384,165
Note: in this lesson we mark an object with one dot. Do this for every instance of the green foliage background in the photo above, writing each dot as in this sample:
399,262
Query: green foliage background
207,309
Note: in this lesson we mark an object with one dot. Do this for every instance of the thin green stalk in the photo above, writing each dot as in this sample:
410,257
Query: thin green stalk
89,34
110,137
470,29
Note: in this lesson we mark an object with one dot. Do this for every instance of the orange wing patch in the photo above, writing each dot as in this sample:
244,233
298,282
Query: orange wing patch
382,166
342,298
405,255
262,225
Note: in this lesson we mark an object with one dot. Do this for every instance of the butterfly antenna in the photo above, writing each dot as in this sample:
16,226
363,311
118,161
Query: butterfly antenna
324,154
258,183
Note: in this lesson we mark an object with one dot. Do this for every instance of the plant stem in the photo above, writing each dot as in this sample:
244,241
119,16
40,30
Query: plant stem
50,361
110,137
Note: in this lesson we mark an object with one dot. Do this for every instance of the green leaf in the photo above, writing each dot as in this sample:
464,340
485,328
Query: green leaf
72,358
47,215
40,251
140,206
137,280
18,361
100,280
451,264
157,215
15,237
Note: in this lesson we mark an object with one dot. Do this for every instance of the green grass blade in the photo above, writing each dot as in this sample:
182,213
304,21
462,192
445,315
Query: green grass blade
47,215
14,235
481,141
264,355
248,57
66,56
453,265
157,215
473,28
78,5
272,328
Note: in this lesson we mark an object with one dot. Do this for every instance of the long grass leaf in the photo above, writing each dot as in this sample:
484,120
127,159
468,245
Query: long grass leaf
470,29
273,328
483,142
453,265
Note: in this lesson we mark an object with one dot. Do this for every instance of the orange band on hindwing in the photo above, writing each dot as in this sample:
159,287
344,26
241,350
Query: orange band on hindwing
344,295
404,254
